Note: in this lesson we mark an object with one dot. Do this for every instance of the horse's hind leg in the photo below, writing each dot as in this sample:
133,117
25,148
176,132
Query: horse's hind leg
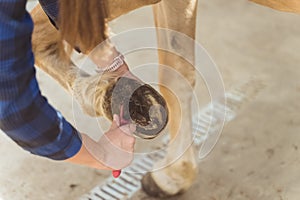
179,16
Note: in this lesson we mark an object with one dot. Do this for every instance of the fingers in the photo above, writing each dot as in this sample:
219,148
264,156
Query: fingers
126,138
115,123
128,145
128,129
122,120
118,143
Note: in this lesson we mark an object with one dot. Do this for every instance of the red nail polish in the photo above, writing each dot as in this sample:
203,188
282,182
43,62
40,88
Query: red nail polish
116,173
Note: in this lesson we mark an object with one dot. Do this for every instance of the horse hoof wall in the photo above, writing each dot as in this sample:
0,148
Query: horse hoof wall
151,188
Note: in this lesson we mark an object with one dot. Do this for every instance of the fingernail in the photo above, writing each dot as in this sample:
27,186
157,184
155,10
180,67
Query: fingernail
116,173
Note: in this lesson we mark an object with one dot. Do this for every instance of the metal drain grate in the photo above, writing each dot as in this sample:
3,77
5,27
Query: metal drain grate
128,183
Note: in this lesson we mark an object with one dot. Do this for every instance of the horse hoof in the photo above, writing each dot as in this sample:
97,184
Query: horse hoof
151,188
142,106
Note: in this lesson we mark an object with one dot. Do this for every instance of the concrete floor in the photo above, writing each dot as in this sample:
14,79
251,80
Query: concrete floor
257,156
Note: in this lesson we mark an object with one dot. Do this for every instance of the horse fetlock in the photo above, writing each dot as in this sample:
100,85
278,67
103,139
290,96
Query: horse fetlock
172,180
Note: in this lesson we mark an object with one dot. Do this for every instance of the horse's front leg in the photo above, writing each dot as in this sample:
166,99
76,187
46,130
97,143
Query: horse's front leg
179,16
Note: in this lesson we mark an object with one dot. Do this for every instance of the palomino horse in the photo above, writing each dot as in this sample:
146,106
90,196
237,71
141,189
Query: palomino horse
178,15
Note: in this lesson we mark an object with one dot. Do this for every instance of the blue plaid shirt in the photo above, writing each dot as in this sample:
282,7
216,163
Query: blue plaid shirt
25,115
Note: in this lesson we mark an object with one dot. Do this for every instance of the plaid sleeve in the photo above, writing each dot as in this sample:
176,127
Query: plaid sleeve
25,115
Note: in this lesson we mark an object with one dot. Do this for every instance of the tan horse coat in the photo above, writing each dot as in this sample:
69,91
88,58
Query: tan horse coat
178,15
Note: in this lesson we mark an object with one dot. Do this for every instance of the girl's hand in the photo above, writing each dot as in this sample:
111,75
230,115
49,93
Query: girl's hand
113,151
